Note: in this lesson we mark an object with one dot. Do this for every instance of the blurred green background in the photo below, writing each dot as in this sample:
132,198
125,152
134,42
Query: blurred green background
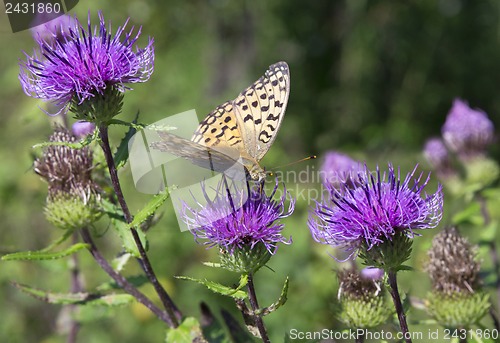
374,79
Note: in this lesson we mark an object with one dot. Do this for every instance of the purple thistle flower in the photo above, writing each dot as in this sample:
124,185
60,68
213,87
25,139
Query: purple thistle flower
337,167
436,153
466,131
375,210
221,224
82,64
82,128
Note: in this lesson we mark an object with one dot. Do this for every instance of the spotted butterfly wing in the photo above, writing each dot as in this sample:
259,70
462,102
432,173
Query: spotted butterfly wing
242,129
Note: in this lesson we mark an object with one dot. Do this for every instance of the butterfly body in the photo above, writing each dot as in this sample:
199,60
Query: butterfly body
240,130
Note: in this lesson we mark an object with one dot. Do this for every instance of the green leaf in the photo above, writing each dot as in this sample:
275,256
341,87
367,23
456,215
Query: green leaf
281,301
218,288
125,233
404,268
489,233
76,145
126,123
212,264
471,214
150,209
121,154
112,210
44,255
185,333
93,299
60,240
120,261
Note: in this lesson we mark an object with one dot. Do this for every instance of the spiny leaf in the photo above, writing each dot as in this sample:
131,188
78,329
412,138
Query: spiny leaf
212,264
125,233
126,123
113,211
149,209
218,288
93,299
76,145
44,255
281,301
121,154
186,332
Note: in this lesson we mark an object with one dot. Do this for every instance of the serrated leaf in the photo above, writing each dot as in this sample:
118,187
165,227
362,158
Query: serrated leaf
113,211
44,255
121,154
76,145
92,299
281,301
125,233
184,333
126,123
150,208
218,288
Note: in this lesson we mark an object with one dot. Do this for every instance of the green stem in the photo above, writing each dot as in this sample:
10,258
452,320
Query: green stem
398,304
120,280
255,306
167,302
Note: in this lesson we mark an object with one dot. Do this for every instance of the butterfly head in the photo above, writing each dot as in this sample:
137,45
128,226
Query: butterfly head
257,173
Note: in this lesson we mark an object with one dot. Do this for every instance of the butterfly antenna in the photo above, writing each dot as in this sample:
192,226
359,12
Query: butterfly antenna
312,157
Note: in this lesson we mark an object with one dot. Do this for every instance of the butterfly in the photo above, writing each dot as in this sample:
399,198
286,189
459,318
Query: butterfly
238,131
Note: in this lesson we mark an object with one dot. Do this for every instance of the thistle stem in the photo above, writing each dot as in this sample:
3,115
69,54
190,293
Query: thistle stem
122,281
167,302
76,287
391,275
252,297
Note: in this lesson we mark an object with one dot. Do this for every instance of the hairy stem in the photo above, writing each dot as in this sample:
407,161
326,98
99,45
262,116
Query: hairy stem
398,305
122,281
76,287
167,302
255,306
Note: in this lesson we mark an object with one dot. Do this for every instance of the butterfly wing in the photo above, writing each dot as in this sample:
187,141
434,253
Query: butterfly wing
251,121
260,109
218,160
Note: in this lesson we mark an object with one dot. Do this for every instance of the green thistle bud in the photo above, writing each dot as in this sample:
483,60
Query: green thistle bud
361,302
458,310
246,259
73,197
388,255
100,108
69,211
480,173
456,299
